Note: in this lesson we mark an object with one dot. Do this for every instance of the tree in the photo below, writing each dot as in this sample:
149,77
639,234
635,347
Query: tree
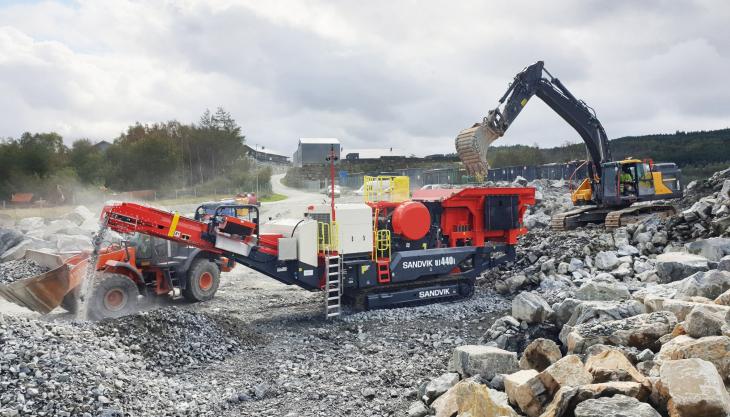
87,161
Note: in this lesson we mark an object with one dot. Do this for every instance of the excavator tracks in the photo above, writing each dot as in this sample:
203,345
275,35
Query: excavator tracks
618,218
570,219
612,219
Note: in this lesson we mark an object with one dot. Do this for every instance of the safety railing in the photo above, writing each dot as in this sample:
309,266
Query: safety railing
327,237
382,244
386,188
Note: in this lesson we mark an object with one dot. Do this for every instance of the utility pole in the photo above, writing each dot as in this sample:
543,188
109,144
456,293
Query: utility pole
332,157
256,167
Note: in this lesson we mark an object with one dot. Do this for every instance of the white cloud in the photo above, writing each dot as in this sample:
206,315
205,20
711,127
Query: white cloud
404,74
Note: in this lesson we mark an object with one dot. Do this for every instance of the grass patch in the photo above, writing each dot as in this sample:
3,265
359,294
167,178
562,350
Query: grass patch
272,197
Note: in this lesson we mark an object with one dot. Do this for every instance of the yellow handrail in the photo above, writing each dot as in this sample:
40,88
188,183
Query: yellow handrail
382,244
328,237
386,188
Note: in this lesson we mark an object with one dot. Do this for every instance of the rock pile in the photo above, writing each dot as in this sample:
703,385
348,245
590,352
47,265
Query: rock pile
641,320
709,212
71,232
22,268
175,340
84,369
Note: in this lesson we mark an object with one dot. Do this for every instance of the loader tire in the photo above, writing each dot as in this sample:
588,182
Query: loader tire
114,295
71,302
202,282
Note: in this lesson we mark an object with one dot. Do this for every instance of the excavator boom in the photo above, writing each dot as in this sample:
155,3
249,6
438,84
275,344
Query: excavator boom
472,143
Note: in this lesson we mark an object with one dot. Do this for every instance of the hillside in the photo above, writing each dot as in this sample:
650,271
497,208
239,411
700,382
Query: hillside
698,153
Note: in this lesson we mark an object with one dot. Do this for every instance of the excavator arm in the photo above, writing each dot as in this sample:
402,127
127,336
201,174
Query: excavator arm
472,143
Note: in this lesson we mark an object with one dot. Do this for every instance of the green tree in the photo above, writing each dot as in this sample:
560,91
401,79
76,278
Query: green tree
87,161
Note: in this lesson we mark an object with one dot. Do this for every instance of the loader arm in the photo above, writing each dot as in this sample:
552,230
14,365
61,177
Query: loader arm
534,80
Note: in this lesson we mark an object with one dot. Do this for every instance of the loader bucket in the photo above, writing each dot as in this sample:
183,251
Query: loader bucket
472,145
43,293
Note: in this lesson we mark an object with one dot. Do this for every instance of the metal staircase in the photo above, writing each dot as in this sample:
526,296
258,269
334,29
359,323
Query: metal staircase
333,286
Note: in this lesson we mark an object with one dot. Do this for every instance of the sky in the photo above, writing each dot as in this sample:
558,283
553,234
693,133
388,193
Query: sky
380,73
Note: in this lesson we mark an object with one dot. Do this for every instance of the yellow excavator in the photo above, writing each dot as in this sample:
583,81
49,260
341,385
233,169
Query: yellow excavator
614,193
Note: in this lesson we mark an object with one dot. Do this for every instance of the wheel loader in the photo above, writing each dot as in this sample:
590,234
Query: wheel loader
143,265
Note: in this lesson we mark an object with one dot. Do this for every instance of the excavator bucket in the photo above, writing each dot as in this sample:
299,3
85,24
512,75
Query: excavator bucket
472,145
43,293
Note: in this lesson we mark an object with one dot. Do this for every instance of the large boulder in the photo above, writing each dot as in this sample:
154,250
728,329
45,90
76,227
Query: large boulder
8,239
525,390
714,349
71,243
667,350
724,264
567,372
680,308
708,284
704,320
713,248
642,332
79,215
440,385
612,365
30,223
602,291
572,311
566,399
607,260
692,388
723,299
530,307
17,251
674,266
486,361
616,406
540,354
470,398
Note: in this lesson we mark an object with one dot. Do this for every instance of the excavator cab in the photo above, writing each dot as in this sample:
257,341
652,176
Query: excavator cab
632,180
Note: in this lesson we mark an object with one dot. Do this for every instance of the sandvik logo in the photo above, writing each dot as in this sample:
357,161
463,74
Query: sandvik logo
441,292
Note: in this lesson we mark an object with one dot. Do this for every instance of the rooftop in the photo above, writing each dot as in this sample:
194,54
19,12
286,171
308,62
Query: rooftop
324,141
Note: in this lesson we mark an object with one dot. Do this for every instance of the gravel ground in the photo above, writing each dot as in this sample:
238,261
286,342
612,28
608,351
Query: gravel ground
12,271
259,348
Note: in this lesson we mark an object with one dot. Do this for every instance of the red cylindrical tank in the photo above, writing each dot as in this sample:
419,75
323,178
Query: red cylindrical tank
411,220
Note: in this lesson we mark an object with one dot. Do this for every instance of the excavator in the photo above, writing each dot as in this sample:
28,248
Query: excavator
615,192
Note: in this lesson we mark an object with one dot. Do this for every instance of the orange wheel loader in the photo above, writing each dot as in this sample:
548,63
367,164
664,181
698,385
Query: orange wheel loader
143,266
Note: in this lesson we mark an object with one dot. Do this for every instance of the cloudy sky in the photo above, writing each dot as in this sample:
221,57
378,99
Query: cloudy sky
407,74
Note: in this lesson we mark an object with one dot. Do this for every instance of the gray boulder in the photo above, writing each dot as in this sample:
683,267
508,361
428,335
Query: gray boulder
486,361
602,291
17,251
417,409
440,385
703,321
616,406
642,332
674,266
79,215
724,264
30,223
708,284
530,307
714,248
606,260
9,238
